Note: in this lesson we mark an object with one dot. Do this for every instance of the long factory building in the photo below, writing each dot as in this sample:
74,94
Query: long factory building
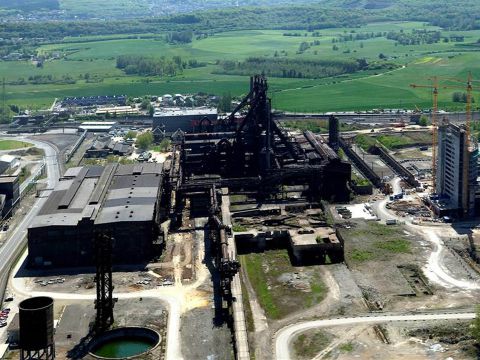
121,199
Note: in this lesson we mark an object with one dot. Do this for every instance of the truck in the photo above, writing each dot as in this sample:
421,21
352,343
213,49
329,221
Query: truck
391,222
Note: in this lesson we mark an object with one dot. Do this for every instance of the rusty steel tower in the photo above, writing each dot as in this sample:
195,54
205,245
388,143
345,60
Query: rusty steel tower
104,303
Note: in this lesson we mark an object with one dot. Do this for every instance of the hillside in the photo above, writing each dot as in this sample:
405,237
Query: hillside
30,5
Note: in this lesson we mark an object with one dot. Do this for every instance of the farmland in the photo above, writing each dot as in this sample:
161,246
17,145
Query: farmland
366,89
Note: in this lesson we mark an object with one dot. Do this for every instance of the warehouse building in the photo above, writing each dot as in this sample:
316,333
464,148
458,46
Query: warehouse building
9,193
172,119
121,199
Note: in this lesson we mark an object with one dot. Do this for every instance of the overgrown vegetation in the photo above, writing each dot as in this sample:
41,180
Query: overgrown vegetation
361,255
392,142
315,126
364,141
395,245
164,146
108,160
309,344
276,297
475,325
347,347
375,241
246,306
358,180
239,228
24,174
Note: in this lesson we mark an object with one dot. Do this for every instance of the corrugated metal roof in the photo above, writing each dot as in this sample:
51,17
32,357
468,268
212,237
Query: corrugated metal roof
119,195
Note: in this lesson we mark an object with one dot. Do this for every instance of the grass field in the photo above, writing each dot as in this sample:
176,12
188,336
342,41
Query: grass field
359,91
13,144
364,243
276,298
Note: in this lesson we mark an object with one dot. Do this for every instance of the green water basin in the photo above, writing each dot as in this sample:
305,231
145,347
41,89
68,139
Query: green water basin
124,343
121,348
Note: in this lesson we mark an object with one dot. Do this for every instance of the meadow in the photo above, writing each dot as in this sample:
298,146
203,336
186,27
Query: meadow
358,91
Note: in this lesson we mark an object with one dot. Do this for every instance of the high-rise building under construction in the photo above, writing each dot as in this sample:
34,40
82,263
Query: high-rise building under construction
455,184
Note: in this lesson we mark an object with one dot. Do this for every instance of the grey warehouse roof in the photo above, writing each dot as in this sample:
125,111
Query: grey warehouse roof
114,193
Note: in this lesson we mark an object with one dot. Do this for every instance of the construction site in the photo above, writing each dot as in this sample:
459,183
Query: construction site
256,240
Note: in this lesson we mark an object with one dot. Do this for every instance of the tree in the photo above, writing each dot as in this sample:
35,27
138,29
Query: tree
144,105
131,135
165,145
14,108
189,102
225,103
475,326
457,96
423,121
151,110
145,140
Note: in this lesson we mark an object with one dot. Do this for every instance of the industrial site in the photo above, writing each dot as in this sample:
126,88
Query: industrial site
251,234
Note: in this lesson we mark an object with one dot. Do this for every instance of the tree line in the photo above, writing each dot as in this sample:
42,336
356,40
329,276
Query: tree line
447,14
152,66
292,68
180,37
416,37
461,97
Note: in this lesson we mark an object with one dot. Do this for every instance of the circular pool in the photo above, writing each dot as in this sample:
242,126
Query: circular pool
124,343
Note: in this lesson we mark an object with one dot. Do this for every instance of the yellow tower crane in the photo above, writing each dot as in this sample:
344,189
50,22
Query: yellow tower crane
434,87
466,147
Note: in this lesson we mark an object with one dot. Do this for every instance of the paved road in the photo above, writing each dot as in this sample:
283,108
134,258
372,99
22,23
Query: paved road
285,335
170,296
16,240
10,249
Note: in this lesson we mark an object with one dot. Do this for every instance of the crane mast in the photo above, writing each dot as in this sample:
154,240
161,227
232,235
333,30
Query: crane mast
434,87
466,146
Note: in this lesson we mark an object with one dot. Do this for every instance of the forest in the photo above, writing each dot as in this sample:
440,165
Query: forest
449,15
298,68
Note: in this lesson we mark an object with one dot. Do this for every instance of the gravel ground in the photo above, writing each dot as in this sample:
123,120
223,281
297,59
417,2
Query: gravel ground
201,339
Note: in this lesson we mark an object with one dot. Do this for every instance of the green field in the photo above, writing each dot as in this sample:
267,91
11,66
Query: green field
362,90
13,144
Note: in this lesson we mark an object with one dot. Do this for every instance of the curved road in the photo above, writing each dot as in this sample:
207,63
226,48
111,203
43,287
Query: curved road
434,266
284,336
173,301
10,248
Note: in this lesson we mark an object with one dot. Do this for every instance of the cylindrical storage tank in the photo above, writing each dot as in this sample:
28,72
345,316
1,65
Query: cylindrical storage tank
36,323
